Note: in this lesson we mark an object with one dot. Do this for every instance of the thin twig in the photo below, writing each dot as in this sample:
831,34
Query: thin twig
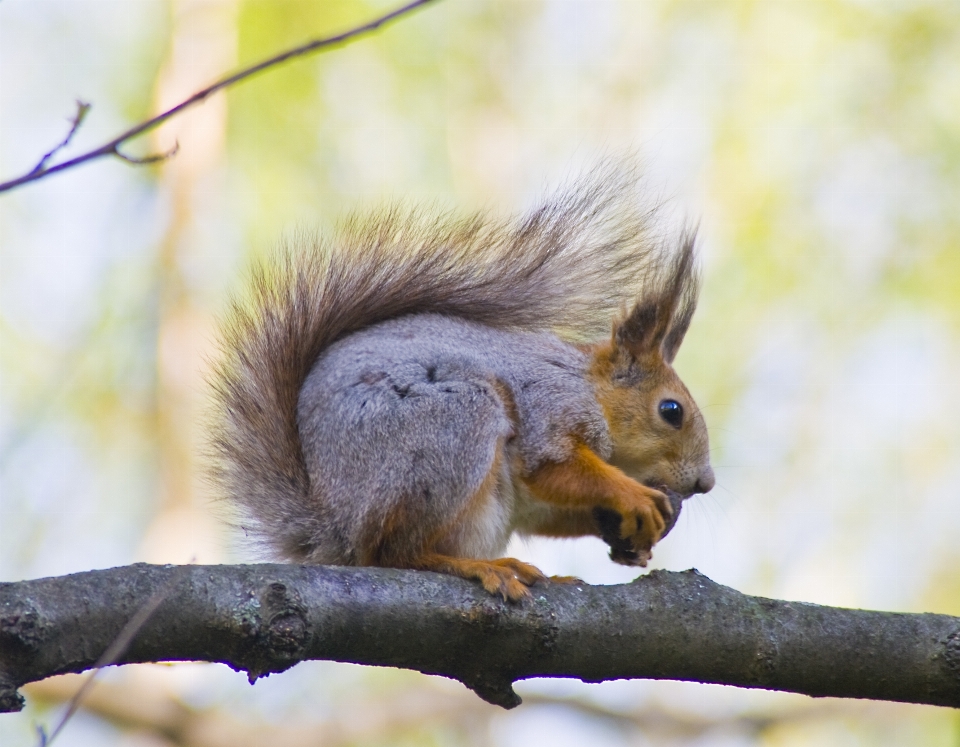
116,650
82,108
112,148
156,158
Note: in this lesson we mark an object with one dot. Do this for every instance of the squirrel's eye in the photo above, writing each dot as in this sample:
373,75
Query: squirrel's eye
672,412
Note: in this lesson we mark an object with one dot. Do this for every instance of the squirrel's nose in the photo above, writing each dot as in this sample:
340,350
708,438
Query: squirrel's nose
705,482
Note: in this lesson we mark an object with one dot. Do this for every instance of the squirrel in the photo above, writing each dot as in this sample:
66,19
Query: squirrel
415,389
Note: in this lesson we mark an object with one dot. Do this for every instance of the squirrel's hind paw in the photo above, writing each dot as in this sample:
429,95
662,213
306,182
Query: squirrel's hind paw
505,577
508,577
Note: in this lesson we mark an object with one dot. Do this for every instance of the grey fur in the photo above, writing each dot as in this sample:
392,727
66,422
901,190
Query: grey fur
327,420
407,417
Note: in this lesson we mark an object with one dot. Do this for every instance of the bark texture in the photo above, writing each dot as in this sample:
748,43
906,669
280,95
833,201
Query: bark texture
266,618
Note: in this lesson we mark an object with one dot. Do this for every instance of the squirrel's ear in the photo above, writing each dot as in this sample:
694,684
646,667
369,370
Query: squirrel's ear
641,331
658,323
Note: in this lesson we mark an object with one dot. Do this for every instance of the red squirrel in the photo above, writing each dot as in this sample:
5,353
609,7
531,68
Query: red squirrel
414,389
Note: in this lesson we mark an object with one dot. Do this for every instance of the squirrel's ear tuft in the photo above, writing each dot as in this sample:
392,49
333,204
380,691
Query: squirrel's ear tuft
682,291
639,334
659,321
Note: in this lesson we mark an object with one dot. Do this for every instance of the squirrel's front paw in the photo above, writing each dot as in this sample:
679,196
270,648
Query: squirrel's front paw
621,550
635,526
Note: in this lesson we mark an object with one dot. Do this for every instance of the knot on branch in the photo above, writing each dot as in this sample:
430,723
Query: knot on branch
489,618
496,691
10,700
275,627
21,628
527,635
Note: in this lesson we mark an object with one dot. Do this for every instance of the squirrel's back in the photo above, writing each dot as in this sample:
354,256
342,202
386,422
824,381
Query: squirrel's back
570,264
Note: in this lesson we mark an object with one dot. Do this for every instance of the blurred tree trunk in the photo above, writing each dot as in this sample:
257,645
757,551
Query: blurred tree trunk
202,45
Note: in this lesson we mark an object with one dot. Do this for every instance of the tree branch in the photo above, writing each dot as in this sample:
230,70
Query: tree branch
112,148
682,626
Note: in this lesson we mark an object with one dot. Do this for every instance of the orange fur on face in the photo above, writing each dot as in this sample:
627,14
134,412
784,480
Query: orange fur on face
630,390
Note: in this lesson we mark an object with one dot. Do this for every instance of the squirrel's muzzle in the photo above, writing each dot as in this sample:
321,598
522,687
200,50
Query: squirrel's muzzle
705,482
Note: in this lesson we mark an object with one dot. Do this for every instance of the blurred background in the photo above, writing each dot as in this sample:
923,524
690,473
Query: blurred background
818,144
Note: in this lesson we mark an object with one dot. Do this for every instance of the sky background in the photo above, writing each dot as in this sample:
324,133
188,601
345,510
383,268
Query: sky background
817,142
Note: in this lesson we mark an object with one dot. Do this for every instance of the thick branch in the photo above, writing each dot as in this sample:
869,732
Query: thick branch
112,148
681,626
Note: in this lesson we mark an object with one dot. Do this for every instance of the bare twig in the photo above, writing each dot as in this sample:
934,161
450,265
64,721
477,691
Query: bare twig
156,158
82,109
112,148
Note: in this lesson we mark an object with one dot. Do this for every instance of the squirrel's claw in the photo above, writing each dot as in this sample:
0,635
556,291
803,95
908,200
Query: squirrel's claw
505,577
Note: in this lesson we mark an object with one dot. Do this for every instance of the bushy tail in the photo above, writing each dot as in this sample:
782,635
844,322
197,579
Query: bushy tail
570,265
